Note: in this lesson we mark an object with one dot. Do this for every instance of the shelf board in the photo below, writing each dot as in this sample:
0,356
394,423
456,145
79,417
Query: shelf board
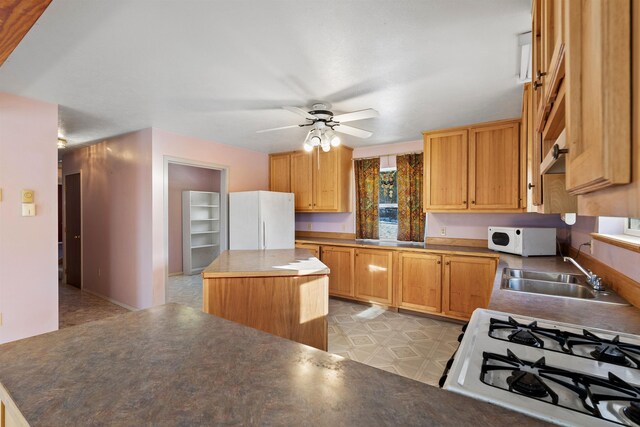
206,219
205,232
203,246
205,206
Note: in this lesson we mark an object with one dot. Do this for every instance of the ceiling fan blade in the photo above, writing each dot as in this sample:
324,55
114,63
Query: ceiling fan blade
300,112
281,127
350,130
356,115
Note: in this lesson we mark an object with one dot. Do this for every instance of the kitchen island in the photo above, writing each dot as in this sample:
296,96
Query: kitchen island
284,292
173,365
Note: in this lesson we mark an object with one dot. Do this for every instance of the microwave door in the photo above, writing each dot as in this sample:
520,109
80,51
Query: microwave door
502,241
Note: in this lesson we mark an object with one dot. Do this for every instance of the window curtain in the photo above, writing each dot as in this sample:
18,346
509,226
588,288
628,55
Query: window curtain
367,187
411,219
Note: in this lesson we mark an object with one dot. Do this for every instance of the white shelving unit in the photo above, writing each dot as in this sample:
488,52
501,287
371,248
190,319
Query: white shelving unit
200,230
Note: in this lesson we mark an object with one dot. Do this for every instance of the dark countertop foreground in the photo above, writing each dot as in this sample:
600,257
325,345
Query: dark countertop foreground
173,365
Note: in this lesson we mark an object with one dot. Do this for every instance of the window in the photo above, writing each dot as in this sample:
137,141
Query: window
388,204
632,226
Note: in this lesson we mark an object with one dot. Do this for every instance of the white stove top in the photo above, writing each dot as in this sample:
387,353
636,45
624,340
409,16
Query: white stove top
566,384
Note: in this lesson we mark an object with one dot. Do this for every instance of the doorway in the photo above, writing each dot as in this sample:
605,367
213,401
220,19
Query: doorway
72,258
195,232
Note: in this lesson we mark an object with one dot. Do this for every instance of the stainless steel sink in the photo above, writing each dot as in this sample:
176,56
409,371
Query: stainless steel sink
563,285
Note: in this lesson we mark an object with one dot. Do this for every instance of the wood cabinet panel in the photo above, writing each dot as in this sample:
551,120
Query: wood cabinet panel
340,261
325,168
467,284
373,275
598,78
280,172
445,170
494,167
315,249
420,282
302,180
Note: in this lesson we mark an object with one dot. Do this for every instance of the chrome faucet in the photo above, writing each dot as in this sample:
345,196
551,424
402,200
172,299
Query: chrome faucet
592,279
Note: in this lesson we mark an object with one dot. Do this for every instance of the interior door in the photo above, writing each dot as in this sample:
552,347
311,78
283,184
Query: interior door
73,225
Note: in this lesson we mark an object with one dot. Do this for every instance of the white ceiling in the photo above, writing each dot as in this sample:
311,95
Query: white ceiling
220,70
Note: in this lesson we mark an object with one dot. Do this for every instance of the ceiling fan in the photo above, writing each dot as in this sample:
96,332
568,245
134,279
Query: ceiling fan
324,123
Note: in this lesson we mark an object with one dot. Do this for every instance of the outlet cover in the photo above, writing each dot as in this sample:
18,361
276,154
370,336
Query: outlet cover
443,231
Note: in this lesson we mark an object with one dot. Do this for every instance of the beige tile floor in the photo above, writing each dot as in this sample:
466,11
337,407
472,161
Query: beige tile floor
77,307
185,290
411,346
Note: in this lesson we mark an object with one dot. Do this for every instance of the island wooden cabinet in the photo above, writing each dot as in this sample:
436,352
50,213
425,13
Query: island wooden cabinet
467,284
340,261
10,416
280,172
420,281
373,275
320,181
475,168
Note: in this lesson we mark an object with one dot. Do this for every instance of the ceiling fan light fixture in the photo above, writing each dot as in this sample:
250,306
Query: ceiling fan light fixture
325,147
333,138
308,147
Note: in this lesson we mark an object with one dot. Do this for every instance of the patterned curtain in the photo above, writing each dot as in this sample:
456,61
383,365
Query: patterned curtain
410,216
367,188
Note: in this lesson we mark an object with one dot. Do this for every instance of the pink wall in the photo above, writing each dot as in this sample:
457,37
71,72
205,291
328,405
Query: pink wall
184,178
248,170
28,245
116,213
623,260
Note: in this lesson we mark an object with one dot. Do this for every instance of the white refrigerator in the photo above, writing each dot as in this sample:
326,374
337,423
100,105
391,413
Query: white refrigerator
261,220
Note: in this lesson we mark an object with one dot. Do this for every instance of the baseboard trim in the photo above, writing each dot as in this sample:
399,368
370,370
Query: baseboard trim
625,286
325,235
453,241
111,300
179,273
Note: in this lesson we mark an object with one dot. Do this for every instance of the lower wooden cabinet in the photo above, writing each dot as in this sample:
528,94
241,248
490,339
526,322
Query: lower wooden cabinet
340,261
10,416
373,278
467,284
420,281
315,249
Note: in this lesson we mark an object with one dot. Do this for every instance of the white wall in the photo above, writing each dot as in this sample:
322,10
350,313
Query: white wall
28,245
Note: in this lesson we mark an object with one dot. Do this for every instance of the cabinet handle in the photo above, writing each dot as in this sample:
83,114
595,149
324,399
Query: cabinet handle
446,263
540,74
530,186
557,151
309,204
438,262
473,202
536,85
464,202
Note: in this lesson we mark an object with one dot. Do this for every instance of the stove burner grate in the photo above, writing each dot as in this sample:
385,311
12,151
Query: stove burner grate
527,383
633,412
610,351
531,334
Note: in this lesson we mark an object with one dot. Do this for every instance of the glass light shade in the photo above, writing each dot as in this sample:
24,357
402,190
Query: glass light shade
315,140
326,147
307,147
335,140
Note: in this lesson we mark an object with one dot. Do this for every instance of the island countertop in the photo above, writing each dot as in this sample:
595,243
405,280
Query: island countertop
265,263
173,365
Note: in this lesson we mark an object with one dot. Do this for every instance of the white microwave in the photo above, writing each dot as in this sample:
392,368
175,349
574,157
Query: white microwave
523,241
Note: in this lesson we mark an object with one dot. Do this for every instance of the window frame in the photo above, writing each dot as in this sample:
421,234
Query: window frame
628,230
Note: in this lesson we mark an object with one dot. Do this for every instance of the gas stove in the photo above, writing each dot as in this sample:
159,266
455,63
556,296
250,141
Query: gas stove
558,372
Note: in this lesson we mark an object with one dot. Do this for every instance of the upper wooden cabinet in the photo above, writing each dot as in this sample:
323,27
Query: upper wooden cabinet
475,168
445,170
467,284
320,181
373,278
598,63
280,172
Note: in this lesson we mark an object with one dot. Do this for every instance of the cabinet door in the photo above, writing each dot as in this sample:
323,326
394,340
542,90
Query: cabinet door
314,249
302,180
340,262
445,170
420,284
467,284
598,109
280,172
373,276
494,167
325,181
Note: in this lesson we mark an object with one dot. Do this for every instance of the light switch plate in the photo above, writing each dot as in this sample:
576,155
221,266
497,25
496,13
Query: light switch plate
28,209
27,196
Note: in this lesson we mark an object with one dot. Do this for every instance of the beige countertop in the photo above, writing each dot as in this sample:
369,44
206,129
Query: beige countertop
265,263
579,312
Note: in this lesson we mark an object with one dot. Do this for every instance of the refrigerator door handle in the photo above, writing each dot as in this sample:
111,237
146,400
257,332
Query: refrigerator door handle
264,235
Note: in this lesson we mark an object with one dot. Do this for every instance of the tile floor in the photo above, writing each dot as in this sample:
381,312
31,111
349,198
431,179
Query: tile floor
185,290
77,307
411,346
